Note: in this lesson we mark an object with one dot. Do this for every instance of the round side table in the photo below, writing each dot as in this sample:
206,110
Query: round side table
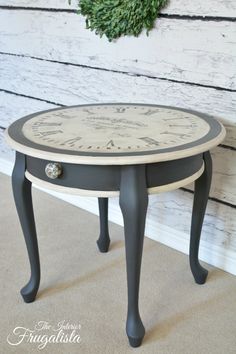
103,150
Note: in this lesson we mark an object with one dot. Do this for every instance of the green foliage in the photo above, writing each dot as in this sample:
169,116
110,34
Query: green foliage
115,18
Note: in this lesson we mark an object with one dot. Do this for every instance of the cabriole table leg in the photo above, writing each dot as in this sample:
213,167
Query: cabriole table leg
133,203
23,201
103,241
201,193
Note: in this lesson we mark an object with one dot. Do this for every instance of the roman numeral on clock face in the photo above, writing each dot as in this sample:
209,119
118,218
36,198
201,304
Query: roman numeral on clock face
180,125
110,144
71,141
86,110
52,132
150,112
120,110
176,134
150,141
47,124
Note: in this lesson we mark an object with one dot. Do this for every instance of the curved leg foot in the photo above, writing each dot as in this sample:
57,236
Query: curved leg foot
201,193
135,342
103,241
200,274
29,291
135,330
133,203
23,201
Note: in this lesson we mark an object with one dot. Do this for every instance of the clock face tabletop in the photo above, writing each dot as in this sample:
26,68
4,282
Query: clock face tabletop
115,134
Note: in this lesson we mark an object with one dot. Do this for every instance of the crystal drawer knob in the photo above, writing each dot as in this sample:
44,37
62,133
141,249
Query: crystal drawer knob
53,170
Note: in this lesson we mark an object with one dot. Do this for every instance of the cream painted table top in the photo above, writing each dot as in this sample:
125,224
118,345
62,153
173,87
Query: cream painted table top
115,134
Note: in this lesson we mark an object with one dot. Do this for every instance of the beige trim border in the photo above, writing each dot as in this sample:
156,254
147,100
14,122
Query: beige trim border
91,193
121,160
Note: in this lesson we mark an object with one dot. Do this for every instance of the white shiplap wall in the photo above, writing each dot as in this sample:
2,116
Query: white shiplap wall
48,59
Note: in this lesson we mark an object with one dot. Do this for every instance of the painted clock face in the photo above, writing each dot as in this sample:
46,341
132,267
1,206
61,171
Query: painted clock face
115,128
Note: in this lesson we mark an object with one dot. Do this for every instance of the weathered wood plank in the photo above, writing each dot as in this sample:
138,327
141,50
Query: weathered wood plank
231,133
223,187
173,209
5,151
13,107
221,8
169,52
47,4
70,85
219,225
224,175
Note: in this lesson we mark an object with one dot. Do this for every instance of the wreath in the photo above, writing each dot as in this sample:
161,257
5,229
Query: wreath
116,18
